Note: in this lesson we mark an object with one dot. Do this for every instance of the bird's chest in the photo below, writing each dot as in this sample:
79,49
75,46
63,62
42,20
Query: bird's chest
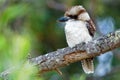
76,32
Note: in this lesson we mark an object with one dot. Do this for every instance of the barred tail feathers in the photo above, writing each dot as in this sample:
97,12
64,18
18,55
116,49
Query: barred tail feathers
88,66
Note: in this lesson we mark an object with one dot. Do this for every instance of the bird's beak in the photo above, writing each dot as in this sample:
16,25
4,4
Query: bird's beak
63,19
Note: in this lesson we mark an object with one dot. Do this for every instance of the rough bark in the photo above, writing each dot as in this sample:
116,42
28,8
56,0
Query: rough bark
66,56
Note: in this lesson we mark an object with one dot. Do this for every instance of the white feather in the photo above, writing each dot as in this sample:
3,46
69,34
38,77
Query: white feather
76,32
84,16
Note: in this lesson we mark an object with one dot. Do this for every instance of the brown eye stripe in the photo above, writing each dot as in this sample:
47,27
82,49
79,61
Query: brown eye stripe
73,16
81,11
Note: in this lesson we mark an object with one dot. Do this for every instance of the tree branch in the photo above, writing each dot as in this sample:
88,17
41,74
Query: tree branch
66,56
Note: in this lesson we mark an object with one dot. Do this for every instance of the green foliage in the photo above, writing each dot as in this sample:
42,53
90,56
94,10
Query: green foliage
78,77
25,72
11,13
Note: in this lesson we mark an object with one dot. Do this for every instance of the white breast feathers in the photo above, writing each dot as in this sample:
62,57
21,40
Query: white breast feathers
76,32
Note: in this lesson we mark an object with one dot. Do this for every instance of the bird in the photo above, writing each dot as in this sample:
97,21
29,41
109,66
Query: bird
79,28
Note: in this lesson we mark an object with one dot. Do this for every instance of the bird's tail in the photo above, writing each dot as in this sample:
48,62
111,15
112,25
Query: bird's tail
88,65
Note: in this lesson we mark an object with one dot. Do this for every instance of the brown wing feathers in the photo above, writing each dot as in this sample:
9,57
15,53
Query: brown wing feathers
91,27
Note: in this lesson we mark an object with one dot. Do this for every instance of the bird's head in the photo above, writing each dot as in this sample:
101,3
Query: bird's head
75,13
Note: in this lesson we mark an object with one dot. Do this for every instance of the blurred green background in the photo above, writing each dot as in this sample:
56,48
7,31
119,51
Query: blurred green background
30,26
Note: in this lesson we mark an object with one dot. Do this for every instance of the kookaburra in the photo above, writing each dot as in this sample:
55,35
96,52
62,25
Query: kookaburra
79,28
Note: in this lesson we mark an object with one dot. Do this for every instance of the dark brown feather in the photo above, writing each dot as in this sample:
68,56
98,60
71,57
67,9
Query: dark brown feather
78,11
91,27
81,11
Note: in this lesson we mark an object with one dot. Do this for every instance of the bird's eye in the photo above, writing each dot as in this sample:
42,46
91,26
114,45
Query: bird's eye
73,16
